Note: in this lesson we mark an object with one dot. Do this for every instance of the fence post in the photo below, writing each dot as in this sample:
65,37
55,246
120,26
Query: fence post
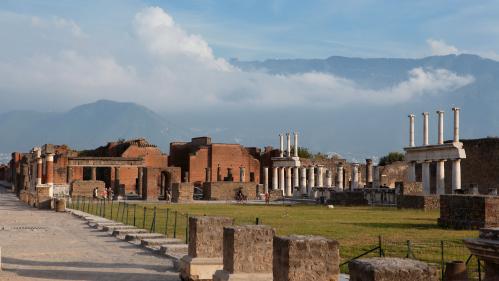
442,259
380,245
123,212
410,254
112,201
166,222
257,222
134,212
187,228
153,223
144,219
127,211
175,225
479,269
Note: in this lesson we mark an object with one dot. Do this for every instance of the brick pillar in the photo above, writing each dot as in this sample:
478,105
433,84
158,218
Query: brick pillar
247,253
117,181
93,174
396,269
219,173
305,258
208,174
50,168
140,180
205,255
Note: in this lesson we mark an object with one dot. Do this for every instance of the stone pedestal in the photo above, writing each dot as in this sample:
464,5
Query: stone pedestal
247,253
486,248
391,269
150,185
306,258
205,248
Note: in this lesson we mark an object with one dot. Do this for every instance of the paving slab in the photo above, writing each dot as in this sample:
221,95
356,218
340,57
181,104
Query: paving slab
140,236
124,232
43,245
148,242
174,248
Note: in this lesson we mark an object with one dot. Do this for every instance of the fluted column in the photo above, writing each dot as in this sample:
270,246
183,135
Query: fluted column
411,130
369,172
456,123
289,190
275,178
266,179
440,127
425,128
288,148
281,145
296,145
281,178
440,177
329,178
296,177
339,173
355,176
303,180
456,174
426,177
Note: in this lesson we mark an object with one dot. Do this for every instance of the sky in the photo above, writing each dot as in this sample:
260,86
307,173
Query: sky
172,55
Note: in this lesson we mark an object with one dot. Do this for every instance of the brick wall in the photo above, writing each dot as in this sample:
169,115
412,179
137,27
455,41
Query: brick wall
421,202
469,212
182,192
228,190
85,188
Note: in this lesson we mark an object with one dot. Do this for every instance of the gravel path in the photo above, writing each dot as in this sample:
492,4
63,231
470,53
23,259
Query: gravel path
45,245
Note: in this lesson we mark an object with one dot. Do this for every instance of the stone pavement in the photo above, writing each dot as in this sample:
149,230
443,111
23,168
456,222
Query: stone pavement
45,245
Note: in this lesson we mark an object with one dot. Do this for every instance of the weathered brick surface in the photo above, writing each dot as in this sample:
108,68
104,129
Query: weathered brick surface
348,198
248,249
43,199
206,236
182,192
421,202
151,183
411,188
391,269
228,190
469,211
305,258
85,188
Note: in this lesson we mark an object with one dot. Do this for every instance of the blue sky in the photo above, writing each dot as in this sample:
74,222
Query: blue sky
263,29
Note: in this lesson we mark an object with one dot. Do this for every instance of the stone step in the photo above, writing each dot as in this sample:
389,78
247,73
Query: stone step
94,223
140,236
124,232
102,224
180,249
150,242
114,227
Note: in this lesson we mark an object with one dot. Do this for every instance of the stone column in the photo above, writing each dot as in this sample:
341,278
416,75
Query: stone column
39,170
426,177
117,181
296,177
69,174
456,174
281,178
411,172
376,177
369,172
247,253
303,180
311,178
140,179
275,178
296,145
411,130
320,176
207,175
305,258
339,174
456,123
241,174
329,178
440,177
281,145
289,190
93,174
266,179
288,150
440,127
425,128
50,168
355,176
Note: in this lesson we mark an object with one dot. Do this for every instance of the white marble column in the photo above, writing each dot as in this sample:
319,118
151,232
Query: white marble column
440,177
426,177
289,190
266,179
275,178
376,177
355,176
281,145
440,127
281,178
303,180
311,179
50,173
456,123
296,177
320,176
329,178
288,148
411,130
411,172
339,173
425,128
456,174
296,145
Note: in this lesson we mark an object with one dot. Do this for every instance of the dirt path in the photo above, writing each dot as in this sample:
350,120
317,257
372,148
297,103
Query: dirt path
45,245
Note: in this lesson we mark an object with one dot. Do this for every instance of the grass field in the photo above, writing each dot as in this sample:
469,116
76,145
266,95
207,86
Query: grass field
356,228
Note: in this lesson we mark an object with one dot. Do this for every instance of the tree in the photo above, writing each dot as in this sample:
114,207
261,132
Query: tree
390,158
303,152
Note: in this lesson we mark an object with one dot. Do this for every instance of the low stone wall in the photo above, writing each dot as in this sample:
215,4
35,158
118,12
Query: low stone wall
410,188
393,269
182,192
86,187
275,195
227,190
348,198
43,199
420,202
469,211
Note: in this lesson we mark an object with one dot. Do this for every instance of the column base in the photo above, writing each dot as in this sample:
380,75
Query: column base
198,269
222,275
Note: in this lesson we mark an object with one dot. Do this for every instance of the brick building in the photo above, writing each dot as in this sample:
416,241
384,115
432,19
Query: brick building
200,153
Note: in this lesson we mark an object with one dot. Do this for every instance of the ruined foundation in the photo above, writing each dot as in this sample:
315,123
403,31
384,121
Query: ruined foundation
469,211
391,269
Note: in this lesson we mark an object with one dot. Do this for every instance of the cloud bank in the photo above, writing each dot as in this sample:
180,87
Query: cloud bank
174,70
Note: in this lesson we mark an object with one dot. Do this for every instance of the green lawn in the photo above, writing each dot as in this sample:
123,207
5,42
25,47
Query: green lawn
356,228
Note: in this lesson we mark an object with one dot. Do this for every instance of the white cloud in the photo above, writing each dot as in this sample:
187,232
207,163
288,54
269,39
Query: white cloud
440,48
57,23
181,72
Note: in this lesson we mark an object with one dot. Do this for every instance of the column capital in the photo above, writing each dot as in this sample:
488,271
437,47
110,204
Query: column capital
456,109
411,115
425,113
440,112
49,157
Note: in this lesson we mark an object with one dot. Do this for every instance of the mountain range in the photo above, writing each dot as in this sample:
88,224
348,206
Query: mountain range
354,131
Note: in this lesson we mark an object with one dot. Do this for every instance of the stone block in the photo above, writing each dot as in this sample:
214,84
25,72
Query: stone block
469,211
349,198
182,192
151,183
247,253
305,258
420,202
227,190
205,248
391,269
